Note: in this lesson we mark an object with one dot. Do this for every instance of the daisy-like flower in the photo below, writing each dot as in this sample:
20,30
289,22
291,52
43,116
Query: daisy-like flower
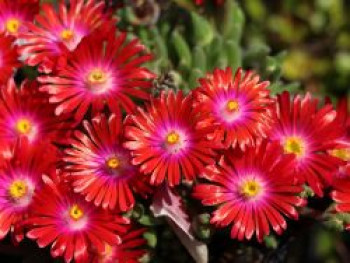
130,250
15,13
20,180
165,141
8,58
237,107
308,132
253,191
73,226
100,168
56,32
101,71
25,112
341,195
342,150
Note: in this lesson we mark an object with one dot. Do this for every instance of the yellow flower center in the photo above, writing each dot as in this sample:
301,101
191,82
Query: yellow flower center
250,188
24,126
108,251
18,189
97,76
67,34
113,163
343,154
173,138
294,145
76,212
232,106
12,25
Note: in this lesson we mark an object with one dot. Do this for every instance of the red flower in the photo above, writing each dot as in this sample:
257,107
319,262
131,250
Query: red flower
25,112
20,180
100,72
15,13
9,58
342,150
129,251
73,226
308,132
341,195
253,191
100,168
165,141
237,108
217,2
57,32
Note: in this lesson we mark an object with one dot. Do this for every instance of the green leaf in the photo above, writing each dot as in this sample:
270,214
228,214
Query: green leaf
256,9
147,220
151,238
138,211
160,48
144,36
277,88
203,32
182,49
257,50
233,21
213,52
204,218
271,242
234,54
193,79
199,58
204,232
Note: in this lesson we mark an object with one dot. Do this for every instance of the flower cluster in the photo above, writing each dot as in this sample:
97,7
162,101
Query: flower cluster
81,143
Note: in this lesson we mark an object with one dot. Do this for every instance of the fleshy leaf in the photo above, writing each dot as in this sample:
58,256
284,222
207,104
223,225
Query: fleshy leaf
168,204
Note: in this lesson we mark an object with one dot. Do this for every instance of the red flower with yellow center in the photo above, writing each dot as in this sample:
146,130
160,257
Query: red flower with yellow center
73,226
308,132
342,150
100,72
253,191
20,181
25,112
130,250
15,13
100,168
238,107
165,141
56,32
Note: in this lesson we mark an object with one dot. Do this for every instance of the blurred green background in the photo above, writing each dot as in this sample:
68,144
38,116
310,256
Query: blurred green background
315,34
293,41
